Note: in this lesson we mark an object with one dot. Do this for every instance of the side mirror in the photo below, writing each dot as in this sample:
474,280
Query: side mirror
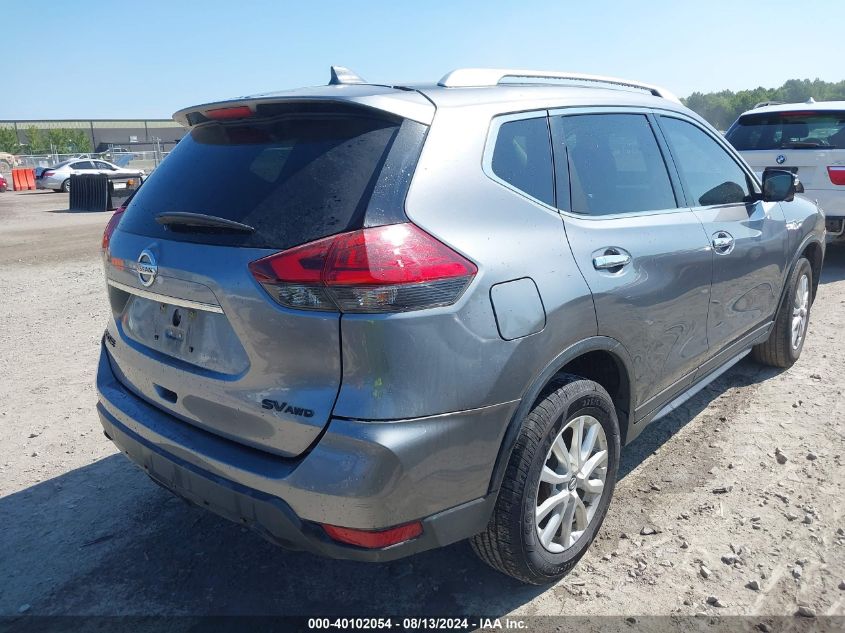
779,185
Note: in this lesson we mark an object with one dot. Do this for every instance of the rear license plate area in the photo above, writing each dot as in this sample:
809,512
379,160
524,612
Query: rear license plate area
193,335
173,328
164,327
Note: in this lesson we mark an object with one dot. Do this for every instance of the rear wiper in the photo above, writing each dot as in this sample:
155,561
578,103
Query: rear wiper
184,218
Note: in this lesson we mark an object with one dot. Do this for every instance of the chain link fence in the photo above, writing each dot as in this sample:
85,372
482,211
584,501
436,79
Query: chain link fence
147,160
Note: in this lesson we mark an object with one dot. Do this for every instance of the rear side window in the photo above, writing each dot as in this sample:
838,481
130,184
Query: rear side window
711,176
522,157
789,130
294,177
615,164
82,165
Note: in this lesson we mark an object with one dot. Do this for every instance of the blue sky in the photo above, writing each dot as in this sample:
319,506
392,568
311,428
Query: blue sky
66,59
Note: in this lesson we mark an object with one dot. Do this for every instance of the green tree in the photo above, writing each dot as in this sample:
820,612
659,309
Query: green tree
78,141
35,141
67,141
722,108
56,140
9,141
59,140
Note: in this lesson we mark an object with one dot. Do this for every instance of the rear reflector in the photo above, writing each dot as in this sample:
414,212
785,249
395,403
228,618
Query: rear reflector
374,539
225,114
391,268
836,174
114,220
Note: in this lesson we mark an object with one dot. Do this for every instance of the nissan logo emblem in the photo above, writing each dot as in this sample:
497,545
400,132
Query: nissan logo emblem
147,268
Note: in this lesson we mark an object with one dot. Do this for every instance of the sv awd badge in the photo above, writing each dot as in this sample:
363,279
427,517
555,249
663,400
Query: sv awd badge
284,407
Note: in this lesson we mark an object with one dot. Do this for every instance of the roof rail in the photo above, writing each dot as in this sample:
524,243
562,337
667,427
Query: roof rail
478,77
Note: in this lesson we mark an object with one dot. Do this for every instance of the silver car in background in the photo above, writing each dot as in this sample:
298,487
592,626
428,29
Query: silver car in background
418,314
58,176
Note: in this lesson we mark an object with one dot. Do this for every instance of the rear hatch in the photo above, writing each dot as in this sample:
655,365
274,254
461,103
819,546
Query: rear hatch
805,142
194,332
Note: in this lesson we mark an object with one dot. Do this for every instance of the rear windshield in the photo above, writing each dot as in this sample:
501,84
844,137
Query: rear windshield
789,130
295,177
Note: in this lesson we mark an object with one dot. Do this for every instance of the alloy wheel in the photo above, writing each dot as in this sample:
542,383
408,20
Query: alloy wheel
800,311
571,483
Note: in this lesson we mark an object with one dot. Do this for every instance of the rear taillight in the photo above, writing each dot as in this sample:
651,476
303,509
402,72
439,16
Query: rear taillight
47,174
114,220
836,174
391,268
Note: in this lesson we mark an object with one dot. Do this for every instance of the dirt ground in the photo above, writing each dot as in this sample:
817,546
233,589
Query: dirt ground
83,531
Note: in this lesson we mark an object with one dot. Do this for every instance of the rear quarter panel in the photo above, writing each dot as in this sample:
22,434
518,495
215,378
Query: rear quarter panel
454,358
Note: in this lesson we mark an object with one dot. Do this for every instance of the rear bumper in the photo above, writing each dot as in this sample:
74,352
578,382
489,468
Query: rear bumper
47,183
835,227
365,475
831,201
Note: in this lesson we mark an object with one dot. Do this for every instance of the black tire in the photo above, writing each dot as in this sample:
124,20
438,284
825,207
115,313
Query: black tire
777,350
65,186
510,543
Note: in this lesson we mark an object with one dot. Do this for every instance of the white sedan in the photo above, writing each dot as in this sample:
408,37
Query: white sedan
57,177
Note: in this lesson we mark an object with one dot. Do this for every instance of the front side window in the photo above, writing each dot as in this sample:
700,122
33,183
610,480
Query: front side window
615,164
522,158
711,176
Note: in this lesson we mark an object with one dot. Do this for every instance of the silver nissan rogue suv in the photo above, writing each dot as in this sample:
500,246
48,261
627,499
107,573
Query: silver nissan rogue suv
370,320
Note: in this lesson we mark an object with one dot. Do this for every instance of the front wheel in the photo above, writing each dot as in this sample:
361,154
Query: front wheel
558,484
66,186
786,340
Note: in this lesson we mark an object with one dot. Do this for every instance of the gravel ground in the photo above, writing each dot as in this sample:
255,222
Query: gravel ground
705,519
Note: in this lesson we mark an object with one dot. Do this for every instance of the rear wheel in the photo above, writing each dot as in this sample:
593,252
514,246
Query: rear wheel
786,340
558,484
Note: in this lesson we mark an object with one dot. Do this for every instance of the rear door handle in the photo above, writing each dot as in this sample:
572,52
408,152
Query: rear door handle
723,242
612,258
